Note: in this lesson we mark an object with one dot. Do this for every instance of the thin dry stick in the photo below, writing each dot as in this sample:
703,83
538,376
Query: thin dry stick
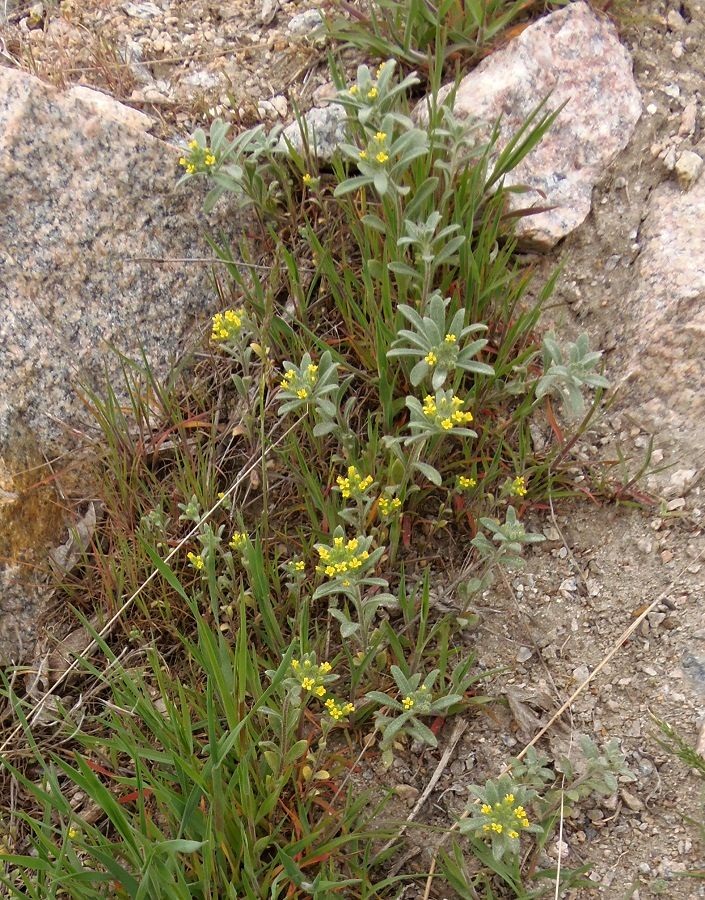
626,634
107,628
560,845
458,732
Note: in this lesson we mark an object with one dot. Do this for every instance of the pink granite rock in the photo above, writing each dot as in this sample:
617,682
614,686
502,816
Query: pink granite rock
575,56
88,217
667,312
88,221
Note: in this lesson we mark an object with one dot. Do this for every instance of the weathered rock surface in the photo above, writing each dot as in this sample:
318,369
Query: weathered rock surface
576,57
325,129
668,312
88,223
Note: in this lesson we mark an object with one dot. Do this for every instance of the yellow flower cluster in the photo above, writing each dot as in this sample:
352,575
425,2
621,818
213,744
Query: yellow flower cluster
450,339
505,817
465,482
354,485
311,676
341,559
338,710
308,179
448,413
378,148
298,565
196,560
431,358
408,703
389,505
518,487
227,325
238,540
199,159
300,384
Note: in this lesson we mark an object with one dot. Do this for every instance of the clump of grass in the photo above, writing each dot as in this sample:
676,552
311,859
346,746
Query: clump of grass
373,371
418,31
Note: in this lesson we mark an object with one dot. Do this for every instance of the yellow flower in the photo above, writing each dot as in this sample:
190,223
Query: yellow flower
372,93
431,359
196,560
407,702
381,137
486,809
308,179
389,505
302,393
450,339
73,833
193,145
209,159
363,154
338,710
310,676
518,487
299,565
227,325
353,485
353,89
238,540
382,157
190,169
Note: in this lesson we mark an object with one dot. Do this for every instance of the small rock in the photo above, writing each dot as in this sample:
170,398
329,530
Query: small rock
305,22
652,109
268,11
568,586
524,654
666,556
630,800
669,159
675,20
676,503
688,168
677,50
143,10
324,93
581,673
688,119
325,127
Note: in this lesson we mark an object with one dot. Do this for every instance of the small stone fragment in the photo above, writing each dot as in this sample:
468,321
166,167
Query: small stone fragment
688,168
306,22
524,654
581,674
675,20
631,801
688,119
